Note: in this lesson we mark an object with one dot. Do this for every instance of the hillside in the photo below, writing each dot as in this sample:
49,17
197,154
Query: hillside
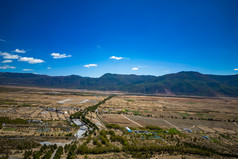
190,83
182,83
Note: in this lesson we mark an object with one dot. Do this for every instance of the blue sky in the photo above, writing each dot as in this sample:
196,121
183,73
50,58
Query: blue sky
93,37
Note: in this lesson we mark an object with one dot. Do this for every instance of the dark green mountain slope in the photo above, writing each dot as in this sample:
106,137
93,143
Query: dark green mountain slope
105,82
190,83
182,83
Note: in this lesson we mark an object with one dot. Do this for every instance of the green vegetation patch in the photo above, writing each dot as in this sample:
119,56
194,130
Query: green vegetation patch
184,114
191,103
173,131
129,100
147,111
215,140
7,120
199,114
113,126
9,129
136,113
17,144
225,136
152,127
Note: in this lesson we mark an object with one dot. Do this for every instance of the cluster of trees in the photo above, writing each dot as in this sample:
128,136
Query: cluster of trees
82,114
94,107
58,153
101,142
136,148
46,150
139,149
37,154
7,120
116,126
77,115
173,131
17,144
148,150
96,142
89,123
152,127
48,154
72,152
4,157
83,149
27,154
120,139
112,126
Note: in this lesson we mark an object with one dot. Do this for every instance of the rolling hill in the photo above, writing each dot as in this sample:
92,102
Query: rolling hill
182,83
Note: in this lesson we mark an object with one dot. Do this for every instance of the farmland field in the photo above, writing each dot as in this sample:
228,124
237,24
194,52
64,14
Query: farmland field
44,116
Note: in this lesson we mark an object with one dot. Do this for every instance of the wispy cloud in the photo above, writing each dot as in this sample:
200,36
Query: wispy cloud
116,58
19,51
135,68
236,69
7,61
99,47
142,66
59,56
90,65
27,69
8,56
48,68
2,40
7,67
31,60
167,71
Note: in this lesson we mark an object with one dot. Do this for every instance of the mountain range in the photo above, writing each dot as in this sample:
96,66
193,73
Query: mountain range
182,83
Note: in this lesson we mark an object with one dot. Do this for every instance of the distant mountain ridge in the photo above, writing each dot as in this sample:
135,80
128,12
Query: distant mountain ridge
182,83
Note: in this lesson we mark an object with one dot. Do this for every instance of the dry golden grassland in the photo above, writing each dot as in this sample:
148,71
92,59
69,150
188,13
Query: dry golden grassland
223,109
215,118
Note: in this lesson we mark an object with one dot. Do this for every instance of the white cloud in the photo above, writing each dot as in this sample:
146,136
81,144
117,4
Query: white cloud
90,65
135,68
9,56
30,60
7,61
116,58
27,69
19,51
2,40
59,56
7,67
48,68
236,69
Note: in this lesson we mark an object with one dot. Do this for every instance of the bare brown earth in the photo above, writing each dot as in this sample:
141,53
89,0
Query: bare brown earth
223,109
214,118
31,103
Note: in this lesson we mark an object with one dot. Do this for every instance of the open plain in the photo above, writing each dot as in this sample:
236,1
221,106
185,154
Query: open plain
45,116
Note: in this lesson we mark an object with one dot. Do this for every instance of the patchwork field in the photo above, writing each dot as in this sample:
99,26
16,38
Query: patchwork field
41,114
222,109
